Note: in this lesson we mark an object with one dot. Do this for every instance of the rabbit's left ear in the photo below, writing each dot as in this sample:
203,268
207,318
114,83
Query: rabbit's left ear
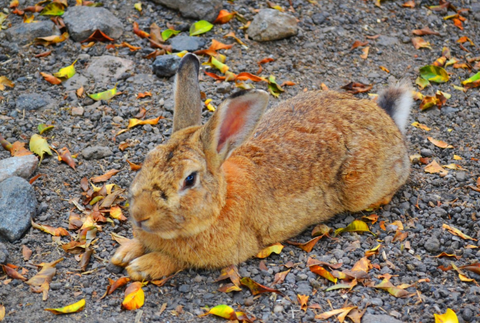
234,121
188,103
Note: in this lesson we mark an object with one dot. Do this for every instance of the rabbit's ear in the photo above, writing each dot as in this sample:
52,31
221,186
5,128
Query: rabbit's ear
233,122
188,104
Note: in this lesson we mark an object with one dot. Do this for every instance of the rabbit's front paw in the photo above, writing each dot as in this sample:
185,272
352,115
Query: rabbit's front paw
127,252
153,265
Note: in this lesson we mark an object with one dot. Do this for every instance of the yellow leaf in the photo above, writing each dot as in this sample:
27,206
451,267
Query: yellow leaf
224,311
134,297
105,95
2,312
136,122
416,124
454,167
355,226
51,230
457,232
341,311
456,157
66,72
39,146
4,81
116,213
448,317
275,248
72,308
27,19
138,6
439,143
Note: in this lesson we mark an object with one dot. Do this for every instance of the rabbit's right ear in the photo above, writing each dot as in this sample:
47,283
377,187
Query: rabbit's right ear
232,123
188,104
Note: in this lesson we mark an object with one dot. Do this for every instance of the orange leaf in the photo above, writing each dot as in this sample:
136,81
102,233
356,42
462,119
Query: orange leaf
458,23
26,253
134,297
97,36
356,87
66,157
419,42
444,254
280,277
105,177
51,230
409,4
358,43
303,300
49,40
135,122
247,76
230,272
365,52
307,246
134,167
143,95
425,31
12,273
131,47
319,270
50,78
256,288
264,61
224,16
383,68
215,76
439,143
138,32
434,168
116,213
457,232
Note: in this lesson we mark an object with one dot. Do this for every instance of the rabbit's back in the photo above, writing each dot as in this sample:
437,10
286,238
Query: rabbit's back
318,154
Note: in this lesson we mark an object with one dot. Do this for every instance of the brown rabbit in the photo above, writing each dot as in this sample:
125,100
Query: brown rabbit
216,194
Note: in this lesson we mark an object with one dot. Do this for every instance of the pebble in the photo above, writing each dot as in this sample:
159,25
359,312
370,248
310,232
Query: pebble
224,88
426,152
198,9
432,245
34,101
3,253
369,318
184,42
271,24
96,152
82,21
304,288
320,18
26,33
166,65
278,309
22,166
387,41
105,68
184,288
18,205
78,111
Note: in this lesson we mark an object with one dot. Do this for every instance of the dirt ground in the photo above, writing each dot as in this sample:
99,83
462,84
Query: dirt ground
320,54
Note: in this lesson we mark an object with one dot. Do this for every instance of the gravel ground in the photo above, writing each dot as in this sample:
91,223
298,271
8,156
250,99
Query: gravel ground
320,53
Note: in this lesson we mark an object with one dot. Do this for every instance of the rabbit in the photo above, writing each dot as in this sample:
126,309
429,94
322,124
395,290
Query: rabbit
215,195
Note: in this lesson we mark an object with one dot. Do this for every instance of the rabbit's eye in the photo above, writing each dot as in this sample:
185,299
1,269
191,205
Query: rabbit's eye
190,180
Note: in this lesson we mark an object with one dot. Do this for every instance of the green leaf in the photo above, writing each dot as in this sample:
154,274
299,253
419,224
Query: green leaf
200,27
422,83
43,127
39,146
434,73
166,34
106,95
66,72
472,79
53,9
273,87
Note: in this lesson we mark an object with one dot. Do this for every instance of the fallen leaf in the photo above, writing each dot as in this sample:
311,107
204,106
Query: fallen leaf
422,83
358,43
72,308
43,127
53,9
280,277
105,177
134,296
356,87
444,254
4,81
409,4
472,82
105,95
275,248
264,61
256,288
230,272
200,27
439,143
355,226
342,311
2,312
428,102
65,156
434,168
435,74
97,36
138,32
238,40
303,300
136,122
416,124
39,146
321,230
395,291
425,31
49,40
243,76
365,51
319,270
43,278
454,167
227,312
457,232
143,95
116,213
50,78
224,16
349,286
419,42
383,68
51,230
26,253
133,166
12,273
306,246
448,317
373,251
138,6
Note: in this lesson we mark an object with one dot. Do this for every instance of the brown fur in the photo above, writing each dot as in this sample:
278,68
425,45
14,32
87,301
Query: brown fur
311,157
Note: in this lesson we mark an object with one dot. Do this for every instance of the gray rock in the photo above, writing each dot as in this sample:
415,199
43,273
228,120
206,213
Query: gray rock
426,152
432,245
3,253
166,65
34,101
271,24
75,82
26,33
184,42
198,9
320,18
96,152
82,21
304,288
17,207
22,166
461,176
224,88
369,318
106,68
387,41
476,7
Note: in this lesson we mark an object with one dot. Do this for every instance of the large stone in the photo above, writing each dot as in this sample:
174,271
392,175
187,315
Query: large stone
22,166
166,65
26,33
75,82
96,152
3,254
17,207
370,318
198,9
183,42
82,21
271,24
34,101
107,69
